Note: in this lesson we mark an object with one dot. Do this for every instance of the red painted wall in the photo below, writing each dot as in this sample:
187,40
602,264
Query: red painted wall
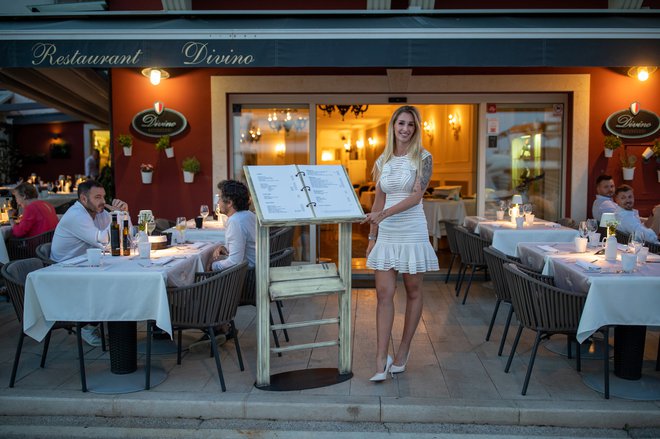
187,92
35,140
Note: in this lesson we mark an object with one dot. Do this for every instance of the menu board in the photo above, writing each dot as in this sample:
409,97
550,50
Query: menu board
303,192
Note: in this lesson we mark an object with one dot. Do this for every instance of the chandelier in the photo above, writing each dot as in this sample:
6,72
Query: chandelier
253,135
279,119
357,110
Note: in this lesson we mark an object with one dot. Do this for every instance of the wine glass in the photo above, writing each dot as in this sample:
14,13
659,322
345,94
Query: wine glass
527,208
583,229
133,237
635,242
103,238
204,211
181,227
592,225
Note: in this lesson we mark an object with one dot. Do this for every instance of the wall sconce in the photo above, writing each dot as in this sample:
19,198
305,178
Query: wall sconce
642,73
455,124
280,150
428,128
372,141
155,74
359,144
327,156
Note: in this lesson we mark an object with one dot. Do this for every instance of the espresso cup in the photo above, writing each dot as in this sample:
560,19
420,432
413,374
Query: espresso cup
594,238
529,219
94,256
580,244
500,215
628,262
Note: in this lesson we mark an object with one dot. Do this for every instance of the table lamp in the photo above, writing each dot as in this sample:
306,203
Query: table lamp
608,219
516,200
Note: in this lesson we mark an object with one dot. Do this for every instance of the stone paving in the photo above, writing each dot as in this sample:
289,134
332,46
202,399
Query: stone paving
453,375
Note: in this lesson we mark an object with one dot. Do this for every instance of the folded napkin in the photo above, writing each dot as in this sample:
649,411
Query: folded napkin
587,266
198,244
75,261
548,249
622,247
162,261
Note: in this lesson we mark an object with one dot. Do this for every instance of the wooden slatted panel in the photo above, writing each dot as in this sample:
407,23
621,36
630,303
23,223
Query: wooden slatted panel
298,347
302,272
304,324
305,288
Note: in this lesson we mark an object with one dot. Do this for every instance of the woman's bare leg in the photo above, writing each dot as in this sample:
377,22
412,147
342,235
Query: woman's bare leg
385,287
414,305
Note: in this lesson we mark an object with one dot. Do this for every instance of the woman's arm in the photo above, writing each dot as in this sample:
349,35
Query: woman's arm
411,200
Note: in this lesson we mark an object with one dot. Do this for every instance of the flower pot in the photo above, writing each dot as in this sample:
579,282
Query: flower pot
608,152
628,173
146,177
188,177
169,152
128,151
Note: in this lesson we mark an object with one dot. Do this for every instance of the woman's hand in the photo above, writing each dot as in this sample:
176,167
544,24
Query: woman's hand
375,217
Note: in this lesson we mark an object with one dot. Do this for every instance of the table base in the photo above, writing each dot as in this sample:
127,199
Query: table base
592,349
305,379
629,344
645,389
105,382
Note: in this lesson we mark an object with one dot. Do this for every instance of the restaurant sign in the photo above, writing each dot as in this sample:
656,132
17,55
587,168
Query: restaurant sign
159,121
633,123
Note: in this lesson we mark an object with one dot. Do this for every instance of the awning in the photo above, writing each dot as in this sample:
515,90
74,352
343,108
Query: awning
312,39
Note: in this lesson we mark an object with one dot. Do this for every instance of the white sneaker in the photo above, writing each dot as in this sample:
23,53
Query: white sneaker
90,335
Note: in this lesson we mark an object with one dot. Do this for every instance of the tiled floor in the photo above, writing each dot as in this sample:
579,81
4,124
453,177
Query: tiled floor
450,358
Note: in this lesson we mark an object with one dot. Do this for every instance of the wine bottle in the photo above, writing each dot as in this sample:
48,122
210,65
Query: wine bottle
115,239
125,241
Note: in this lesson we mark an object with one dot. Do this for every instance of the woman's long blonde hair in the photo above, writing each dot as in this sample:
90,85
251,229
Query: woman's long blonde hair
415,149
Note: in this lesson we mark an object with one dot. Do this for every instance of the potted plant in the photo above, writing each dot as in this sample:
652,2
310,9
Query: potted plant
163,144
628,164
147,171
190,166
126,141
611,143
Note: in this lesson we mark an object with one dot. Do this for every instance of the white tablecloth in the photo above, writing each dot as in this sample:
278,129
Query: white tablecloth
505,236
121,290
613,298
4,233
57,199
213,231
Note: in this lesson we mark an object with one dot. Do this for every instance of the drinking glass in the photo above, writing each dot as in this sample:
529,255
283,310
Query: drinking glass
181,227
592,225
635,242
103,238
204,211
583,229
527,208
133,237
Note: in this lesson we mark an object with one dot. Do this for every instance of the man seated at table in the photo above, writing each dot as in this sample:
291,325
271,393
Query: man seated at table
77,231
240,229
628,218
604,193
38,216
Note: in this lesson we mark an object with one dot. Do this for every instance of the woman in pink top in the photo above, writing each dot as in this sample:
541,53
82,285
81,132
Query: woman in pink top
38,216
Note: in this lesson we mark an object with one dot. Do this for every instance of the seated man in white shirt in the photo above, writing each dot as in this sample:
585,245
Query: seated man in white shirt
77,231
604,193
240,230
629,221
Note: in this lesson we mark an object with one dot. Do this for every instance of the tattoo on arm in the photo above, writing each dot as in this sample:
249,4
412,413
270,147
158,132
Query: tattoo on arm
427,170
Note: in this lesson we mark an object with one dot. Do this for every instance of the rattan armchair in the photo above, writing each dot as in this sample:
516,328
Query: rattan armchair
450,230
23,248
470,248
622,237
15,274
43,252
280,239
654,247
547,310
207,304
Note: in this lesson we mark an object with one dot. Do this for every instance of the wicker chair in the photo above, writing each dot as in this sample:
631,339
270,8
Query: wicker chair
15,274
43,252
23,248
450,227
622,237
547,310
654,247
163,224
470,248
207,304
280,239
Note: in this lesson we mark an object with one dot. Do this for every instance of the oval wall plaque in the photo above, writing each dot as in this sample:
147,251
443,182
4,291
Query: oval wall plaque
627,125
168,122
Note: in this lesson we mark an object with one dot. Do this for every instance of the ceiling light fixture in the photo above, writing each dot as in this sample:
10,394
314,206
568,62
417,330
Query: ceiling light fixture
642,73
155,74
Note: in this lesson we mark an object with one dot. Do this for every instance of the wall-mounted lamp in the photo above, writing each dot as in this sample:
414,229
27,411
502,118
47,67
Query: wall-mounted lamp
642,73
372,141
280,150
359,144
155,74
327,155
455,124
428,128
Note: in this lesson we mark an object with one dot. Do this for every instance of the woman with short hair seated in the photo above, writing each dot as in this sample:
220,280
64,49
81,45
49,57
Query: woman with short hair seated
38,216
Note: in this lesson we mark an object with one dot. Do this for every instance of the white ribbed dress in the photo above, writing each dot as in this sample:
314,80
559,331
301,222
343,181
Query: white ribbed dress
403,242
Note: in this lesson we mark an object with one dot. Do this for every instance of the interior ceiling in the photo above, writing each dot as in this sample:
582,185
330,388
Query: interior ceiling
82,93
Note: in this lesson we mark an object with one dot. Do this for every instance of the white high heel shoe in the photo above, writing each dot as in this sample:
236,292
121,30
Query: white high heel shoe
398,369
382,376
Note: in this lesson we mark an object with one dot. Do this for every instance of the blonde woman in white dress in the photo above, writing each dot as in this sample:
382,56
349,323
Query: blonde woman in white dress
398,236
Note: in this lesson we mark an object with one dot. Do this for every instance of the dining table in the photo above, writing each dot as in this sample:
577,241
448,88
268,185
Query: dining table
505,236
211,231
122,290
440,209
629,301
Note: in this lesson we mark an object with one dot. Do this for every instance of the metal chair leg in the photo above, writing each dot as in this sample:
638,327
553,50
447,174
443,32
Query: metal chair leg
17,357
513,349
467,290
451,263
216,354
531,362
459,281
278,304
492,319
81,358
506,331
234,333
147,366
606,359
178,350
44,353
275,338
